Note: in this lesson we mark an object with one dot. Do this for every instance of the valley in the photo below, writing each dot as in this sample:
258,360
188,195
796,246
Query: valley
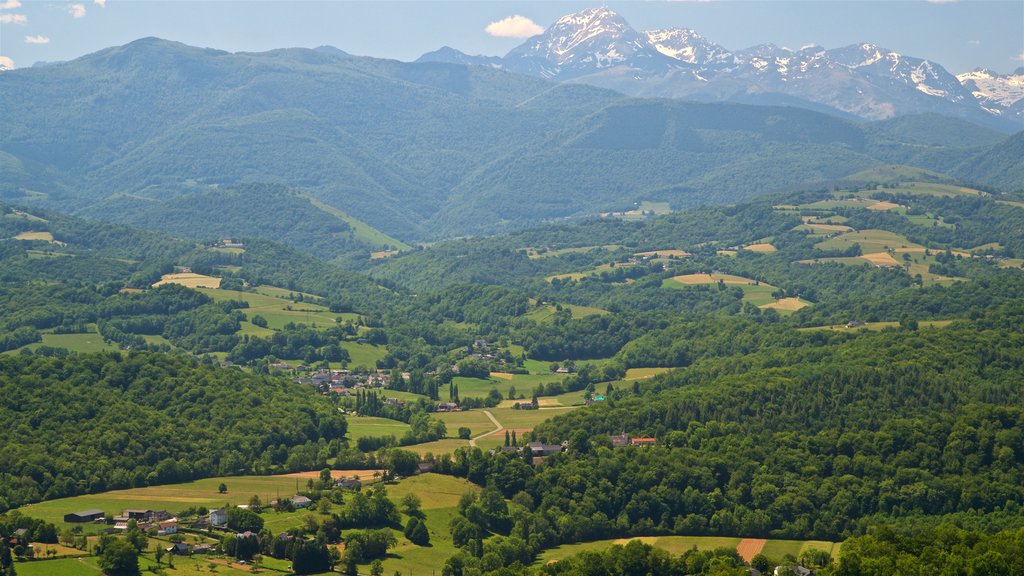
620,302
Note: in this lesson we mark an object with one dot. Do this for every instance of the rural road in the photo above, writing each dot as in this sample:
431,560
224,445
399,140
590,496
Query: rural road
498,428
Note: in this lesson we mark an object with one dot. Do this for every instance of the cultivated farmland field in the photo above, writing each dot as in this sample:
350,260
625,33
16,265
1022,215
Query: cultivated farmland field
42,236
774,549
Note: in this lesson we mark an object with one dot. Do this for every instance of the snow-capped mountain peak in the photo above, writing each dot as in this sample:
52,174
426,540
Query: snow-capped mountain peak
687,46
599,47
581,43
996,92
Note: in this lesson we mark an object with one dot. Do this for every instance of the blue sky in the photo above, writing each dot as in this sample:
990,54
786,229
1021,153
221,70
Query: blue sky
960,35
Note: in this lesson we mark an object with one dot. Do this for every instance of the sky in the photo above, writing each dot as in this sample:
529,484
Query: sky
958,34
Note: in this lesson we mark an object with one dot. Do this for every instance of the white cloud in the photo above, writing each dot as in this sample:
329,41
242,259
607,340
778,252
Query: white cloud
1020,57
13,19
10,5
77,10
36,40
6,63
941,1
974,42
100,3
514,27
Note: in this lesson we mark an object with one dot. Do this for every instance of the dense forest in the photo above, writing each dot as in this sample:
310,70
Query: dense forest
95,422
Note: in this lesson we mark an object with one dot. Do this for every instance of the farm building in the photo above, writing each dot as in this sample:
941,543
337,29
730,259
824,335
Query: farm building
348,483
643,442
301,502
541,449
218,517
84,516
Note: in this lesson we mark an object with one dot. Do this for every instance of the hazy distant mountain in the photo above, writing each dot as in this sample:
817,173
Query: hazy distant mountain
418,150
597,46
449,55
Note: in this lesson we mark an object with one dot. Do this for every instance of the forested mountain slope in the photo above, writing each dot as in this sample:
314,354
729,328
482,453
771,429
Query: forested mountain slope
418,150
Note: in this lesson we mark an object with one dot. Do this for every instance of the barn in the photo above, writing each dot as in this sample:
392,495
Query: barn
84,516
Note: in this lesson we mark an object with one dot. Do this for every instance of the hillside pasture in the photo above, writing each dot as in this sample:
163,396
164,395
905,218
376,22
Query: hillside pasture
84,343
189,280
870,241
786,305
763,247
170,497
669,253
829,227
39,236
757,293
643,373
659,208
878,326
537,253
884,206
275,305
880,259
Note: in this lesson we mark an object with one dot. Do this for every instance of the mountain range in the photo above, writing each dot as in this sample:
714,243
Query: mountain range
597,46
149,132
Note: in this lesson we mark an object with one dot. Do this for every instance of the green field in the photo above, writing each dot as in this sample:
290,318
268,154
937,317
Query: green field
870,241
440,495
171,497
757,295
75,342
61,567
278,310
477,422
364,354
438,447
363,426
659,208
777,549
474,387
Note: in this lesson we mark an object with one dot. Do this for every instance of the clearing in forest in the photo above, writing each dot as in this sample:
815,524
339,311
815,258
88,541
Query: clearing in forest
190,280
786,304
